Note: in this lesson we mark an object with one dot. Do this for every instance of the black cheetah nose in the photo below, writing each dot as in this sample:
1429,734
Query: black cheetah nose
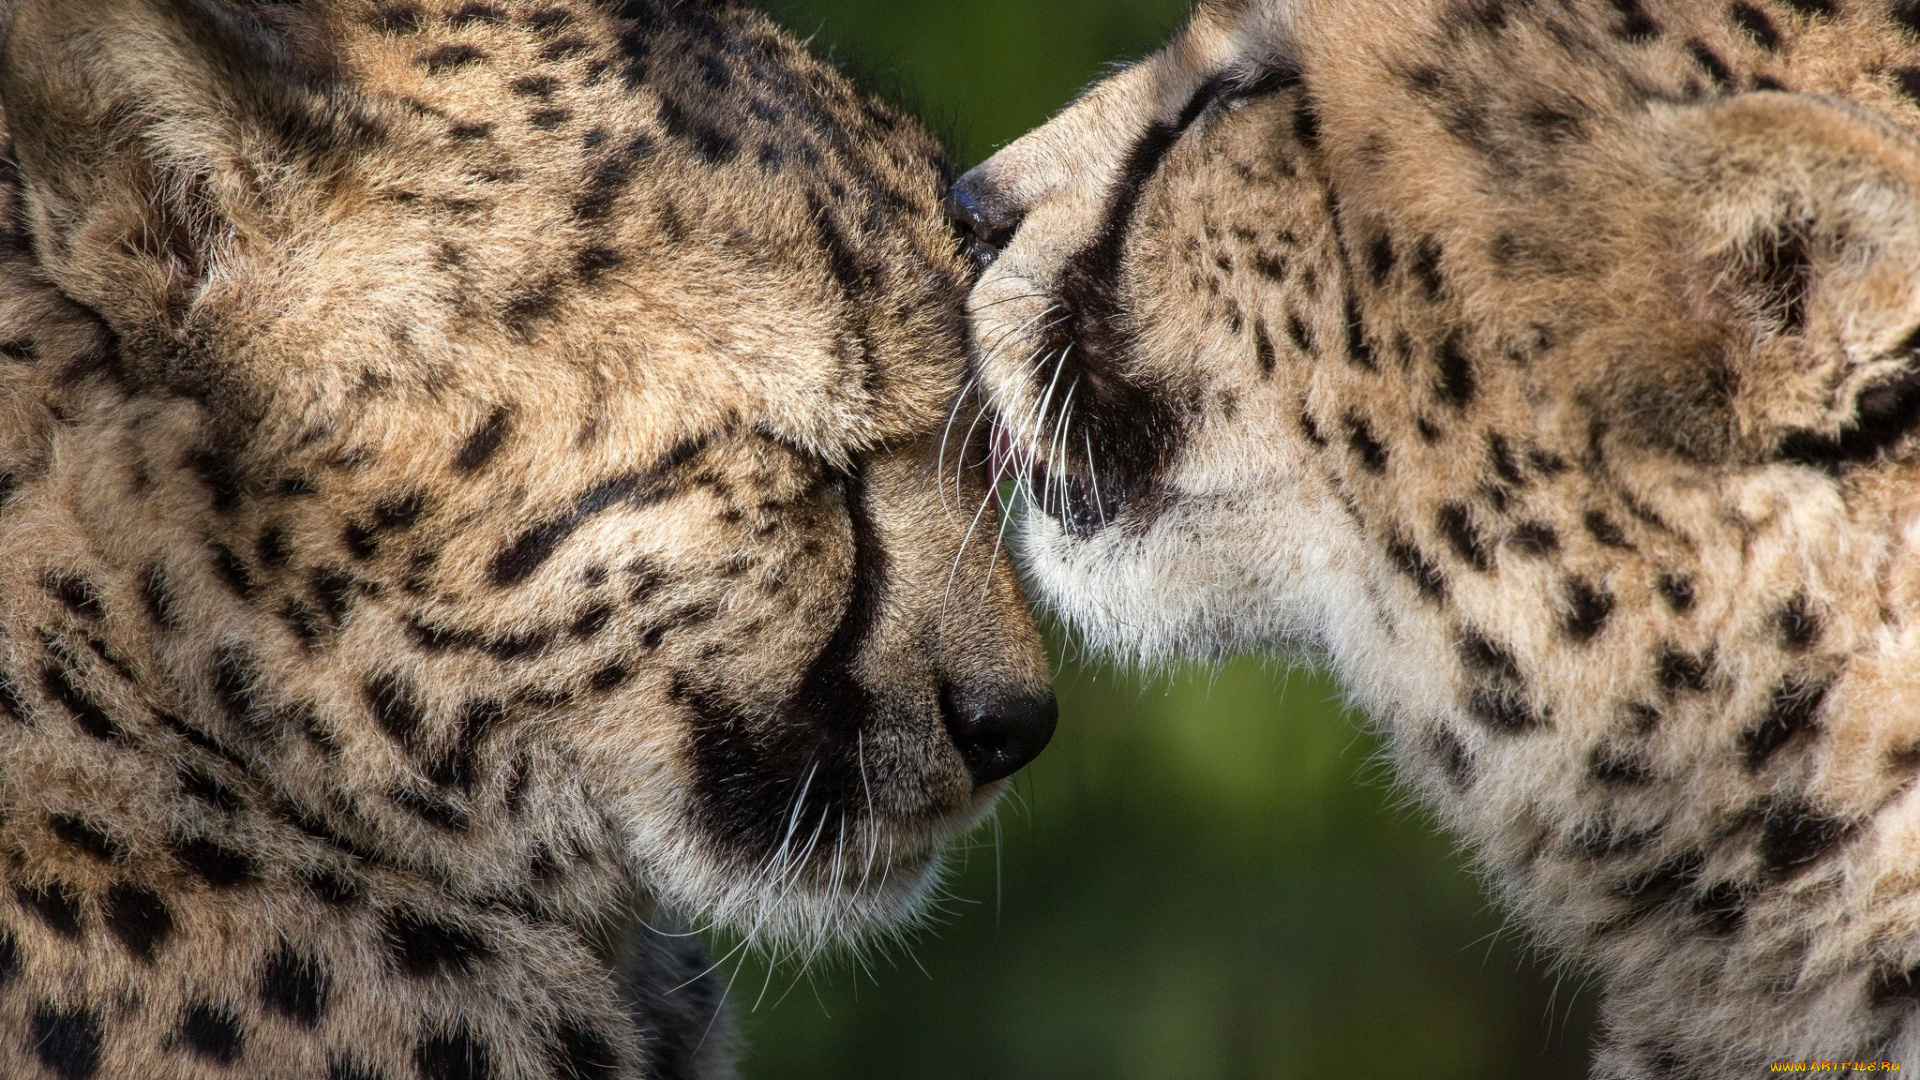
984,218
998,733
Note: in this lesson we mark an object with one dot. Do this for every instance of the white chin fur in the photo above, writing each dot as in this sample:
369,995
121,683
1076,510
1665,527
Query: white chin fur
1216,574
865,893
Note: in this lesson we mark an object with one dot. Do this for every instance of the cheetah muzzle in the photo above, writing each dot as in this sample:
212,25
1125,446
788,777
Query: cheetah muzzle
469,471
1551,370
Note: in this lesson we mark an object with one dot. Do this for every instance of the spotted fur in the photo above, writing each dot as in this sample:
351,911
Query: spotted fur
1551,368
468,471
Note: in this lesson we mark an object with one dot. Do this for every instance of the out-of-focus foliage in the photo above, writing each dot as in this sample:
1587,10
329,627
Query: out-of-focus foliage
1207,877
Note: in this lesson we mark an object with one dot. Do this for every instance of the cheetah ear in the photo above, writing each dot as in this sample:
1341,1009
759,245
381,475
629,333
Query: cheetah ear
159,141
1804,238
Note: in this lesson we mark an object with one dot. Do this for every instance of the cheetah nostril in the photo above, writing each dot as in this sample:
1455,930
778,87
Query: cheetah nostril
1000,733
981,217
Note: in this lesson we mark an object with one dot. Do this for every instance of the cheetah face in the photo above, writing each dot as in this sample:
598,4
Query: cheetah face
1302,291
519,444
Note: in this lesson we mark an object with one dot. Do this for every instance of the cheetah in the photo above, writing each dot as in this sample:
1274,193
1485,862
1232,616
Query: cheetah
1550,370
471,493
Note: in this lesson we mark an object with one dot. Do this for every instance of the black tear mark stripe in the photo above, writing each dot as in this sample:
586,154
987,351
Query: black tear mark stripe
533,548
750,768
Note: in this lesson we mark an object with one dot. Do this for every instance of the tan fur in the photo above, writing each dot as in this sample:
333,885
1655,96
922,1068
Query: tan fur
471,469
1549,368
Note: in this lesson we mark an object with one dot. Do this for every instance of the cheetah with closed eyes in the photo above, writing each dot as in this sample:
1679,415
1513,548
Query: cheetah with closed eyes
468,472
1551,368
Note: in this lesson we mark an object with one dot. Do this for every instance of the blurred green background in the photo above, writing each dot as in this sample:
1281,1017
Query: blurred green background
1207,877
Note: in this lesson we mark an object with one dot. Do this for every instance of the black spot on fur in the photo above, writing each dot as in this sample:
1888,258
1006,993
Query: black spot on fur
156,595
84,836
1722,907
361,541
1794,709
591,621
532,548
1635,24
1483,656
433,810
139,918
1799,627
217,865
1300,335
1372,455
1588,609
1263,354
1456,383
216,470
1757,25
1677,591
77,594
1677,671
577,1052
1907,81
272,548
1380,259
1456,524
291,985
609,677
1894,986
236,685
564,48
397,19
67,1043
593,261
421,947
1603,530
332,888
208,789
232,571
212,1032
1616,767
470,132
456,1055
1425,267
86,713
394,708
1651,888
1505,465
1535,538
10,959
333,590
447,58
548,119
1504,709
57,905
538,86
1411,561
1710,62
1797,834
1311,431
715,147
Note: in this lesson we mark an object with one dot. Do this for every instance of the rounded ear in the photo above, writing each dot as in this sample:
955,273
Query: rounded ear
157,138
1803,215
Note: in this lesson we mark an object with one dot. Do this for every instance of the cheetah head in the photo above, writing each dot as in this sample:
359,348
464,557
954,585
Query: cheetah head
522,441
1311,284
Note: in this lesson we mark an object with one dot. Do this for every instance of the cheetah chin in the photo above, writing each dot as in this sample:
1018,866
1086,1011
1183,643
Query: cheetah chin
1550,369
470,494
